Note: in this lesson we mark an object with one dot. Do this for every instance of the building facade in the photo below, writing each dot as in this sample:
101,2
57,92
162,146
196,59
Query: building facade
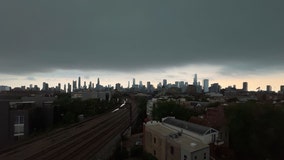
205,85
174,139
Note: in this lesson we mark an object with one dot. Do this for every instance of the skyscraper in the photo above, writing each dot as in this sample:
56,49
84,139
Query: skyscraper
205,85
98,83
195,80
59,87
268,88
85,85
117,86
148,85
282,88
98,86
69,88
74,86
245,86
64,88
165,83
44,86
79,83
133,83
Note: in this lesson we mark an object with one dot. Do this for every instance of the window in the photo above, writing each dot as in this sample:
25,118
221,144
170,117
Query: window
185,157
18,129
19,120
172,150
204,157
213,137
19,126
195,157
155,140
154,152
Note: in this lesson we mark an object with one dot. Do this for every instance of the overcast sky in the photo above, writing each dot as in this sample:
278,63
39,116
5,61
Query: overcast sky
240,39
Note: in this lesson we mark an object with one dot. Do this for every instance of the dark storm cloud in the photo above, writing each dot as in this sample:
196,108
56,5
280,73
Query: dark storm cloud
42,36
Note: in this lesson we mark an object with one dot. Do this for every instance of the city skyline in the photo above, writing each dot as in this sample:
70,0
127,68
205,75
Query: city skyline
74,82
226,42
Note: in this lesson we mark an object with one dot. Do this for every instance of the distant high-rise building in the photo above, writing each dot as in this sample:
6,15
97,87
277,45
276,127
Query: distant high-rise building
159,86
85,85
69,88
205,85
215,87
245,86
195,80
98,83
59,86
64,88
79,83
181,84
74,85
268,88
36,88
140,84
165,83
133,83
117,86
176,84
45,86
148,85
282,88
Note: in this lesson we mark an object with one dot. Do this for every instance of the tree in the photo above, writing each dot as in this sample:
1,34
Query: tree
171,108
256,130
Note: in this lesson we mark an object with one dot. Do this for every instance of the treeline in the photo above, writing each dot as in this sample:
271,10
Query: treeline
67,109
171,108
256,130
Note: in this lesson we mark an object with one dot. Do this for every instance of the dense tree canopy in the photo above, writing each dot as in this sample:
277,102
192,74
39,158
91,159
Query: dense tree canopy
164,109
68,109
256,130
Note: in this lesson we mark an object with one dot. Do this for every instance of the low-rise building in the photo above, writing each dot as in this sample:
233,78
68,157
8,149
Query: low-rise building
173,139
17,121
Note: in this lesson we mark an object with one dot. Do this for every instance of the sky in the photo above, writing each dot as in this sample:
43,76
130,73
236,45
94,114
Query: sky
228,42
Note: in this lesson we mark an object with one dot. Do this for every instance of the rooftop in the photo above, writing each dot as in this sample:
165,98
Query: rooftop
189,142
192,127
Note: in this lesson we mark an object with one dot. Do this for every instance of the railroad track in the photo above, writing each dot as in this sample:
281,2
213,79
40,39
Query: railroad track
81,141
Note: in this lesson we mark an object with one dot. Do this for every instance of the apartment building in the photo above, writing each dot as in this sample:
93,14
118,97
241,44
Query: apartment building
173,139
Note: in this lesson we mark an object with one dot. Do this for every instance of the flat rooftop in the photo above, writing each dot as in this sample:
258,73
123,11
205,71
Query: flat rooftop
186,141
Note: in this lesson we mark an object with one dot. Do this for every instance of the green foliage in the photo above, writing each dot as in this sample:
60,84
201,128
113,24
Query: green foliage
256,130
68,109
141,102
171,108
